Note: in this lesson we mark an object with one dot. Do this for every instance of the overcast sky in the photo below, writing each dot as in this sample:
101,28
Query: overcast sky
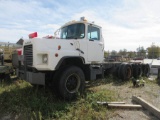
125,23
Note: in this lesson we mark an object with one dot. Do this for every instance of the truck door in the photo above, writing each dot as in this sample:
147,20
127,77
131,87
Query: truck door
95,44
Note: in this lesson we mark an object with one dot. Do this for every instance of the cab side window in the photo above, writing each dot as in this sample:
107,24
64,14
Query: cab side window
93,33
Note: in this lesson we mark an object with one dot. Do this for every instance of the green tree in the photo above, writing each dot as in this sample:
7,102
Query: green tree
123,52
131,54
153,51
141,52
106,53
113,52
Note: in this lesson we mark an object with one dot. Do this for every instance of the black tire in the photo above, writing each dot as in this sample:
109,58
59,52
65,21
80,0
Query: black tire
115,71
137,70
158,76
55,81
125,71
143,69
119,71
147,70
71,82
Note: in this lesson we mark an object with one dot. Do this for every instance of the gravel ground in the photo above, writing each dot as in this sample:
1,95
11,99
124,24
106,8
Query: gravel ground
150,92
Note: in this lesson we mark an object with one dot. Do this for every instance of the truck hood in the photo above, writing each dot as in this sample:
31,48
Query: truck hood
51,44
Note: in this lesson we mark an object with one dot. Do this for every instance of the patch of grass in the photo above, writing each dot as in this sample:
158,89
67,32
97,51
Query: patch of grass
107,80
22,99
154,81
158,81
86,107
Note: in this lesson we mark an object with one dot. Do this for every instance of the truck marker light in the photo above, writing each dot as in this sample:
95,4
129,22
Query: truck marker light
33,35
56,55
59,47
83,19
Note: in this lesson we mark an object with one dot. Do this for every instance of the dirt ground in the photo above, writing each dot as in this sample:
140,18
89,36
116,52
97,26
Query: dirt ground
150,93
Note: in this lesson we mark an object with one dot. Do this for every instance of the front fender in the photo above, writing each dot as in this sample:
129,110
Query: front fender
70,58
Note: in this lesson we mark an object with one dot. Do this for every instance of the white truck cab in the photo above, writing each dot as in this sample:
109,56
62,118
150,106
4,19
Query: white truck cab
74,39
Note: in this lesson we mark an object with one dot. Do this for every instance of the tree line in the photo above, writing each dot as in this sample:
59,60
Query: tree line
151,52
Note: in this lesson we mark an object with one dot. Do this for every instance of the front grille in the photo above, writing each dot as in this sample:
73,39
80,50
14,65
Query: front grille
28,53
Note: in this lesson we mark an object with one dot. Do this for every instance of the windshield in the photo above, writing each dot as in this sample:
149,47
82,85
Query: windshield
74,31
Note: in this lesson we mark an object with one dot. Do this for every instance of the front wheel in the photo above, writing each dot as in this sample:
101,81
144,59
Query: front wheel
71,82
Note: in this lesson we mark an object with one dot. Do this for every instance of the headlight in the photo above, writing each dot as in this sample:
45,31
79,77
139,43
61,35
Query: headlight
45,58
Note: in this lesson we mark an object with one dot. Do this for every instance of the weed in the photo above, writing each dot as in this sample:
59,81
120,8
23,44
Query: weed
37,103
86,107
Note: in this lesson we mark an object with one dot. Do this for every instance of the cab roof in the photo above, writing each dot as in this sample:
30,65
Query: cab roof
82,20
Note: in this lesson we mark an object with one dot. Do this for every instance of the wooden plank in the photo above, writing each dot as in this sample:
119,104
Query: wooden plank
129,106
106,103
147,105
116,102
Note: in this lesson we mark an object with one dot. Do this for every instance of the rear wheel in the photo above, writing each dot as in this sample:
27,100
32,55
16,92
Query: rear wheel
125,71
71,82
